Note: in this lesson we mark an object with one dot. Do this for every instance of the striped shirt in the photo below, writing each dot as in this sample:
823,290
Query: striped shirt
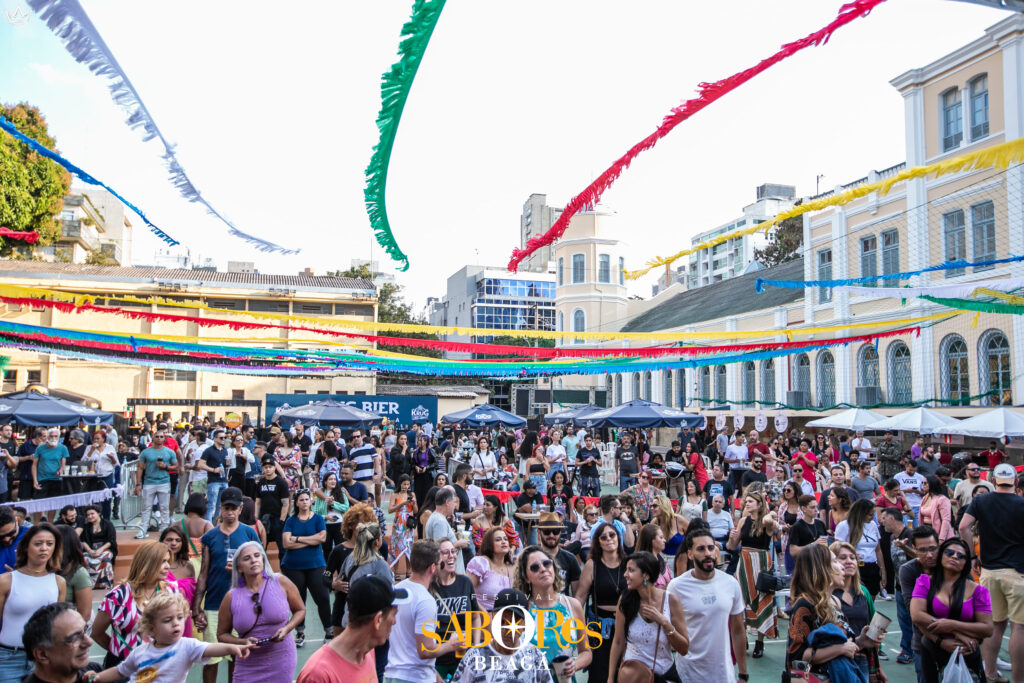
363,457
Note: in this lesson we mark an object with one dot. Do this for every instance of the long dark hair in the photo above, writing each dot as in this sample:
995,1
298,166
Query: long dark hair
935,486
860,514
71,555
528,444
597,552
956,594
651,567
499,510
182,556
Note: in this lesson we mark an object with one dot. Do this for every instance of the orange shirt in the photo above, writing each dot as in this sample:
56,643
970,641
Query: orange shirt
327,666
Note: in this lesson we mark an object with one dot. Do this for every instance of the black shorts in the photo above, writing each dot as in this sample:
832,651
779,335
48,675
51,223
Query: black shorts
25,490
50,489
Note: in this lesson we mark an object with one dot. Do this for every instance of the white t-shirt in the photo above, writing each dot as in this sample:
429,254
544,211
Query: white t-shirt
404,661
910,481
172,663
104,467
193,452
863,445
556,454
737,457
707,607
475,495
869,538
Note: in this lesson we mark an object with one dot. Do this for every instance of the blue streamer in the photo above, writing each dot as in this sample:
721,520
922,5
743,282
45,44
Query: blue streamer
82,175
68,20
761,283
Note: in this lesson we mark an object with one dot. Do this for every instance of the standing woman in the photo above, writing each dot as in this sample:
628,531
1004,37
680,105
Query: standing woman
303,563
102,457
401,458
692,505
538,578
366,560
35,582
537,469
659,632
403,530
183,570
861,531
260,605
331,501
491,571
839,505
423,462
484,464
673,526
856,605
753,534
243,460
74,573
425,510
602,581
789,513
652,541
99,546
936,509
455,597
556,452
494,517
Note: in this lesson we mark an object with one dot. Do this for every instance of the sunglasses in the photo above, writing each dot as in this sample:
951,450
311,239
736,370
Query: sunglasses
949,552
536,566
608,537
256,606
550,532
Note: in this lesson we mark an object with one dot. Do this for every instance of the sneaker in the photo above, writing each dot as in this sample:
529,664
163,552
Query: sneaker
1003,664
300,639
141,535
881,655
996,679
905,658
885,595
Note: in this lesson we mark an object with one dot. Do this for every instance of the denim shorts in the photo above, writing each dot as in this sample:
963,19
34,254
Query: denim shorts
14,664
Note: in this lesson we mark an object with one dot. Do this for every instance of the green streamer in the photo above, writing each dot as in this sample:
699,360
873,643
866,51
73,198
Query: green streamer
978,306
776,405
394,91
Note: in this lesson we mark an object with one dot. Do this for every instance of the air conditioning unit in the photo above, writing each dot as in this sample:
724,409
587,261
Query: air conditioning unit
798,399
869,396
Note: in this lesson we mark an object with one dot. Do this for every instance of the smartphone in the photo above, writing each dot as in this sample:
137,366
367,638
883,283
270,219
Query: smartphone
263,641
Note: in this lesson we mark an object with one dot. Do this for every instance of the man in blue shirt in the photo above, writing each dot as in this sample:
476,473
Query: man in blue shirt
355,489
212,462
155,463
47,462
10,536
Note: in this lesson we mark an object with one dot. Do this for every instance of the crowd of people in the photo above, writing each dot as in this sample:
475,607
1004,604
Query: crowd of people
408,544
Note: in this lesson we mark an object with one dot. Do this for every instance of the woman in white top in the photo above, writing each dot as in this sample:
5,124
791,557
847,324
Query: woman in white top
556,453
661,629
484,464
238,461
34,583
860,530
103,459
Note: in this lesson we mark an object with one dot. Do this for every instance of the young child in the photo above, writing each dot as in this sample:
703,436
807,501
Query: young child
166,657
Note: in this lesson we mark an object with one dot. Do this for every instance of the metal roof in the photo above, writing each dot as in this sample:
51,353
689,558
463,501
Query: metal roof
442,390
721,300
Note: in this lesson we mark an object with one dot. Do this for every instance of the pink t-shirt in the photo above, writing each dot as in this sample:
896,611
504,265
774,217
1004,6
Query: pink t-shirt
980,601
327,666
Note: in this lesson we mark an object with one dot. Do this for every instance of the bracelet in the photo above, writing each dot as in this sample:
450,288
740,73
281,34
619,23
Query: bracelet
743,677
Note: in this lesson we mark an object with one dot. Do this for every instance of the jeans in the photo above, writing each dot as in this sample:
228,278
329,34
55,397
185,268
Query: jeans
213,491
590,486
625,481
163,494
108,482
14,664
541,482
906,625
919,667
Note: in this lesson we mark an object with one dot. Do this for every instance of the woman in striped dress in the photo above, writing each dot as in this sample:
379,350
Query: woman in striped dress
754,534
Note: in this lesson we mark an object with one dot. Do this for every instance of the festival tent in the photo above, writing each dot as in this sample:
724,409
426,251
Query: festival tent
570,414
640,413
992,424
852,419
484,415
33,409
327,413
920,420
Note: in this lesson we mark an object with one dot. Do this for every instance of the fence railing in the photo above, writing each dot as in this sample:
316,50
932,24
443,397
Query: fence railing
131,504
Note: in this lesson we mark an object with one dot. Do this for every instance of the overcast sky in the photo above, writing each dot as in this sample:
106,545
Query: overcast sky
272,107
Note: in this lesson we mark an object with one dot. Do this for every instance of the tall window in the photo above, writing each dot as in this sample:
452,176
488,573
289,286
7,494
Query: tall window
890,252
983,233
953,370
867,366
579,321
705,385
995,375
648,386
952,120
579,268
604,268
636,386
869,259
561,272
617,389
749,381
720,376
666,387
900,382
826,379
802,366
768,381
979,107
561,322
622,272
824,273
681,387
955,238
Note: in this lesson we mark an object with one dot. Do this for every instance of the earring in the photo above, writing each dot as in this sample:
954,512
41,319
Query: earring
645,583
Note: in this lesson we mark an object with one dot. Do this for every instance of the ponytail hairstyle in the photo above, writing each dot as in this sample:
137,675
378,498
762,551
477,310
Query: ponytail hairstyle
366,540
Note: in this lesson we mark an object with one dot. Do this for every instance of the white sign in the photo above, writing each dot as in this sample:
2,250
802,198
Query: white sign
781,423
738,419
760,421
704,422
720,421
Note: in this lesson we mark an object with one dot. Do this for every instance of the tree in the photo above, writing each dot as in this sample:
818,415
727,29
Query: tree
784,243
32,187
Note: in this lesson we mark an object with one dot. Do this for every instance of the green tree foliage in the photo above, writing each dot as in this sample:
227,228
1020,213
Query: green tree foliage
783,244
32,188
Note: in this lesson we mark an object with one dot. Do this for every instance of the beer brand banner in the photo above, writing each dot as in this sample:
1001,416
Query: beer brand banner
401,409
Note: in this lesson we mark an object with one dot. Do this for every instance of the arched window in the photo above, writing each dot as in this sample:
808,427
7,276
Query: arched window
681,387
705,385
953,370
617,389
579,320
666,387
802,374
994,374
768,381
867,366
636,386
648,388
898,364
826,379
561,322
749,382
720,376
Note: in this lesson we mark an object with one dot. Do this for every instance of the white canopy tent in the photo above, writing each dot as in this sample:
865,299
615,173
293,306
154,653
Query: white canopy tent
919,420
852,418
992,424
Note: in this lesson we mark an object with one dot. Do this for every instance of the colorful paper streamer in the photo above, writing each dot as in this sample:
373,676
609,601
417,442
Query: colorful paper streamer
69,22
707,93
29,236
394,92
977,306
880,292
998,156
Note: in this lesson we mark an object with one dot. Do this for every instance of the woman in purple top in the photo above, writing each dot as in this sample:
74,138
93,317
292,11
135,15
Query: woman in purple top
260,605
951,611
493,569
423,462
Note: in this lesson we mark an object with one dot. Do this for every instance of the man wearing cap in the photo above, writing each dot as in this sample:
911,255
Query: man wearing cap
912,485
999,518
506,657
349,658
272,501
214,579
549,531
862,445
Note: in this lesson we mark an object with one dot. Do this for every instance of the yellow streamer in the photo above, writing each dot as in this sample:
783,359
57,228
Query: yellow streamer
998,156
1009,298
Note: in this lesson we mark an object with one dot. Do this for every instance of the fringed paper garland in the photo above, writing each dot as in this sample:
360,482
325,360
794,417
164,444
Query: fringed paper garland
29,236
69,22
394,92
977,306
708,93
851,285
998,156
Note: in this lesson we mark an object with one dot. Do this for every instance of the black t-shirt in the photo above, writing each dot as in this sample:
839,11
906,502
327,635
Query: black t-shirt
749,540
569,568
560,499
722,488
336,560
525,499
25,468
271,493
823,505
94,667
304,443
628,459
1002,544
463,501
588,470
454,600
803,534
750,476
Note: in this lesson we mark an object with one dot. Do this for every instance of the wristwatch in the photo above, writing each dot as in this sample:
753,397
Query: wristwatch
743,677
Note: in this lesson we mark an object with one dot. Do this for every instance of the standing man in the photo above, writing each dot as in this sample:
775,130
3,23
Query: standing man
888,458
900,551
737,457
26,453
964,492
355,489
723,440
302,441
549,531
999,517
912,485
461,481
272,501
861,445
155,463
627,462
212,461
47,462
365,459
755,473
864,484
713,608
806,487
10,535
754,444
992,457
925,543
917,449
588,459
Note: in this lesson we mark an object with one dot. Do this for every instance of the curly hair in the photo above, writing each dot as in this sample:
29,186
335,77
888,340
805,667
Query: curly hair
360,513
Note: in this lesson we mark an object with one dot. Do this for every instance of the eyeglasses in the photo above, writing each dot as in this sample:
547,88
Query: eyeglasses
949,552
536,566
608,537
453,551
75,638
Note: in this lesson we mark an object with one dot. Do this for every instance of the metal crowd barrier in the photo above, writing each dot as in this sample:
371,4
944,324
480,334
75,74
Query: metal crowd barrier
131,504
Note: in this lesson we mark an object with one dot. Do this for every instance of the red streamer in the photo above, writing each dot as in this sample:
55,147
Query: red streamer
707,93
26,235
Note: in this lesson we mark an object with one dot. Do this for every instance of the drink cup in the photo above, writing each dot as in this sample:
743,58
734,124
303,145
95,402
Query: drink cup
67,470
879,623
558,664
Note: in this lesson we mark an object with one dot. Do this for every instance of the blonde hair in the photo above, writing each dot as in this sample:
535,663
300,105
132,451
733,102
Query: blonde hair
665,516
365,551
157,604
147,563
836,547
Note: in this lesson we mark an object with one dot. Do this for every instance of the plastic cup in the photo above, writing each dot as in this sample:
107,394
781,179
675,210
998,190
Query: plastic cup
558,664
879,623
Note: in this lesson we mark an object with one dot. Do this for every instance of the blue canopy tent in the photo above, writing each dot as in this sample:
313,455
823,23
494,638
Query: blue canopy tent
329,414
33,409
484,415
568,415
640,413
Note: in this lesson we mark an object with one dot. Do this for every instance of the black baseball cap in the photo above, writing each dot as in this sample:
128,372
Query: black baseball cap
371,594
511,597
231,496
268,460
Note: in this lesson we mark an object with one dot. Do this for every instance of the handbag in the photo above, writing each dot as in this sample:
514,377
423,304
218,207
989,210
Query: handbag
768,582
634,671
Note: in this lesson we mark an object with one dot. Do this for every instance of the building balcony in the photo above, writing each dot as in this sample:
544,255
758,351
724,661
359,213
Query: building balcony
76,231
74,200
112,250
